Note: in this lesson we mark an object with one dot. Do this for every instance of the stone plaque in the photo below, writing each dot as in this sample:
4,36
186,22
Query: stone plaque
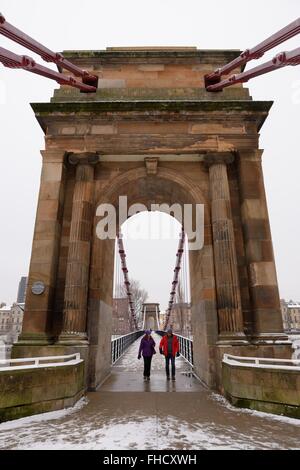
38,287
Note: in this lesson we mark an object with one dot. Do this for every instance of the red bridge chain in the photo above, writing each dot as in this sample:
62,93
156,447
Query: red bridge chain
9,59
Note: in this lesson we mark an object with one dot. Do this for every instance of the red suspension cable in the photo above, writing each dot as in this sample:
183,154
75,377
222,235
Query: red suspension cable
16,35
15,61
179,254
126,278
279,61
255,52
9,59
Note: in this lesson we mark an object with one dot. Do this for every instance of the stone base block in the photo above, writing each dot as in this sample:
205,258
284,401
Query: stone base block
32,350
272,390
38,390
269,349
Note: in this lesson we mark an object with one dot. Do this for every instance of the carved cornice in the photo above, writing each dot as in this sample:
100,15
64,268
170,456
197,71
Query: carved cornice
99,107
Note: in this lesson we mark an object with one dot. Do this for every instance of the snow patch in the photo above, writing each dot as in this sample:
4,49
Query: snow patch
284,419
50,415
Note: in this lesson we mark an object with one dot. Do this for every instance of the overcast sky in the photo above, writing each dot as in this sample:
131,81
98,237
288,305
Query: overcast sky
96,25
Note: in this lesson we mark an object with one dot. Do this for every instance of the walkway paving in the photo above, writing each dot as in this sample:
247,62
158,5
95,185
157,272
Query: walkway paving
150,416
127,374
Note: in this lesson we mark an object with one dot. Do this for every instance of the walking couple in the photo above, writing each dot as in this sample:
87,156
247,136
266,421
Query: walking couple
168,347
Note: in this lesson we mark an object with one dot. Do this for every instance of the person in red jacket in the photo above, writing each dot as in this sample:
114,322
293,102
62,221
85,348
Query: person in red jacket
169,347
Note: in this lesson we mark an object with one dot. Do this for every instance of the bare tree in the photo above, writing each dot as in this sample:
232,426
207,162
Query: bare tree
139,297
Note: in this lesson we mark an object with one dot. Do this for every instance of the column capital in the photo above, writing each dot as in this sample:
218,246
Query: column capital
83,158
215,158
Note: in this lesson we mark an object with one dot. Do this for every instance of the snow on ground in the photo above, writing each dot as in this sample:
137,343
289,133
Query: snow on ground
283,419
139,432
50,415
112,421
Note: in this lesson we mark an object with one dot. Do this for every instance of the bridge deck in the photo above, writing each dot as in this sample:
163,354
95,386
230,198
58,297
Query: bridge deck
127,374
124,414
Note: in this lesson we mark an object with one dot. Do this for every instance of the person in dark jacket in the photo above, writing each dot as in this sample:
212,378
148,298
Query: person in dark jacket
169,347
147,349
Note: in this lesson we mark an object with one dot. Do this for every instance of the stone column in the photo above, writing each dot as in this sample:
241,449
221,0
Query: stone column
226,273
78,264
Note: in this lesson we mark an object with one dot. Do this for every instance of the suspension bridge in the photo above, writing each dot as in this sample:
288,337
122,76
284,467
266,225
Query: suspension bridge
150,321
160,125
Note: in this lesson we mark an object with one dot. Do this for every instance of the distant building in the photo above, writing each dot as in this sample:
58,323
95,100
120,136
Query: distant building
5,328
121,320
290,315
11,320
5,320
17,314
22,290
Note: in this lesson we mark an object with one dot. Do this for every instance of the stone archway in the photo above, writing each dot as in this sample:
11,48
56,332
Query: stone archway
154,138
165,187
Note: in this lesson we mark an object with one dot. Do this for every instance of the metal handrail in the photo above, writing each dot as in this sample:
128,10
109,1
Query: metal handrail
121,344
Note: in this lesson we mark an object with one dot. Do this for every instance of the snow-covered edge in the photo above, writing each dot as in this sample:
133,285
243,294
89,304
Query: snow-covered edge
284,419
50,415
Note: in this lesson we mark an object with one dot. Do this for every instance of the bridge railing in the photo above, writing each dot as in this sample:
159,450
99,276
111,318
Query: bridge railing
121,344
262,362
185,347
35,362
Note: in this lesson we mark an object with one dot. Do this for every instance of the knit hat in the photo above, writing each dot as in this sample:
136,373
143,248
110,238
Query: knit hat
169,330
147,332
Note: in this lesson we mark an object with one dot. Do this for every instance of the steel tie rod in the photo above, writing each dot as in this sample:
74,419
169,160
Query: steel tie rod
16,35
281,60
11,60
258,51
